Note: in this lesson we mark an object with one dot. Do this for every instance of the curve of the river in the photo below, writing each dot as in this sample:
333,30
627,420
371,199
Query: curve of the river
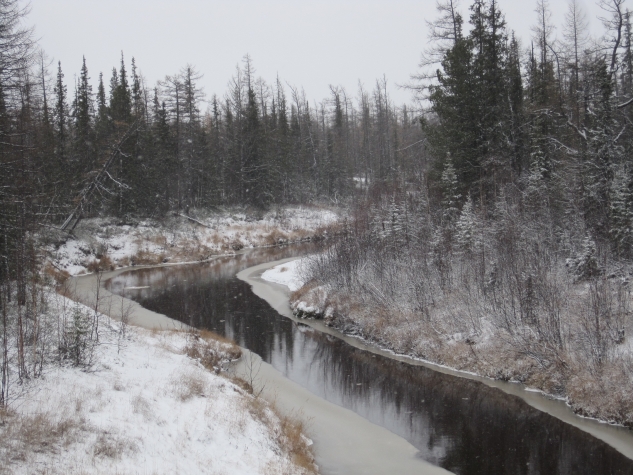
372,412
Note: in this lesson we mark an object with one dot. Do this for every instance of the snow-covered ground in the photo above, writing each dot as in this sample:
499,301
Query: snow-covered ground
146,404
180,239
288,274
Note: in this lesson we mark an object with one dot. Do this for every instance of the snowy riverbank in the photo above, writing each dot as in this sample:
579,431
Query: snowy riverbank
109,243
97,396
144,400
340,313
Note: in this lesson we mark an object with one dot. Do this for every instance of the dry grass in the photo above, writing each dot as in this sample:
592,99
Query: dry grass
303,293
288,430
189,384
59,276
112,446
146,258
159,240
210,349
123,262
21,435
103,264
276,237
142,406
190,250
293,442
606,394
240,382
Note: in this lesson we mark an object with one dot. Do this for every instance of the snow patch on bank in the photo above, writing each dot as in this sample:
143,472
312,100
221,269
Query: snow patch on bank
288,274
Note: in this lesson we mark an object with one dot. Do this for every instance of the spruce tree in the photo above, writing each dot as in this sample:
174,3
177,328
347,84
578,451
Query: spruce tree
120,99
83,111
61,118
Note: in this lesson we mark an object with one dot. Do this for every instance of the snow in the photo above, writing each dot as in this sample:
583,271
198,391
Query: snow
288,274
178,239
144,403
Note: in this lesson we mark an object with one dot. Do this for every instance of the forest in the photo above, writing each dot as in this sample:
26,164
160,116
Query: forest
510,254
500,202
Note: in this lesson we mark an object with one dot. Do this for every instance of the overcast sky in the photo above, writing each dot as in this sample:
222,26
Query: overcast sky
310,44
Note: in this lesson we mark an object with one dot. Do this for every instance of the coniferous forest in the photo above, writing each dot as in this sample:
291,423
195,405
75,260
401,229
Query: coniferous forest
505,184
509,253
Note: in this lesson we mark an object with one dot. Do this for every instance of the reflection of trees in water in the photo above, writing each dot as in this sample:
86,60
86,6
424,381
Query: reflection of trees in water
462,425
476,429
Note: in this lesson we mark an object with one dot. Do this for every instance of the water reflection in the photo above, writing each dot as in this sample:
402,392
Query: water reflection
459,424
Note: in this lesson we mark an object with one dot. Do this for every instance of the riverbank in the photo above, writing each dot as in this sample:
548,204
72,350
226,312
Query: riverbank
112,243
345,443
110,386
142,398
322,306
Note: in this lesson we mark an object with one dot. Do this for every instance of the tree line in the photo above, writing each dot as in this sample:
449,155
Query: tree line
256,145
551,118
510,253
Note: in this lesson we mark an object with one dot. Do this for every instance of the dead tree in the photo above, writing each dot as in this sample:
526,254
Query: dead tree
98,182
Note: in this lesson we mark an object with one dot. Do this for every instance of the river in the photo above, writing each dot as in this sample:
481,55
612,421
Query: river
361,403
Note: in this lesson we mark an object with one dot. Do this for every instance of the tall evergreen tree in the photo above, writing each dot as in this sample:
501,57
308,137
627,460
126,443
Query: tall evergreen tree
120,98
83,111
61,117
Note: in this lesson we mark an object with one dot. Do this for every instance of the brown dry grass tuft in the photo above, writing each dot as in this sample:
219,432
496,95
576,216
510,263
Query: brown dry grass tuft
188,385
210,348
288,430
103,264
240,382
276,237
38,433
111,446
146,258
294,443
124,262
59,276
159,239
301,293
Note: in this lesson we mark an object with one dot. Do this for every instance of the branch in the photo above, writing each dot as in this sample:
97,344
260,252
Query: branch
620,134
569,149
194,220
624,104
582,133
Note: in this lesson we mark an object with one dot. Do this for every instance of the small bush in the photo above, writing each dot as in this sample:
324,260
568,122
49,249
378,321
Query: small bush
58,275
276,237
77,345
210,349
101,265
146,258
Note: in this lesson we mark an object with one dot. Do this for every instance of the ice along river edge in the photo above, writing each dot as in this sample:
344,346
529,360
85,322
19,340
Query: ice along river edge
277,295
345,443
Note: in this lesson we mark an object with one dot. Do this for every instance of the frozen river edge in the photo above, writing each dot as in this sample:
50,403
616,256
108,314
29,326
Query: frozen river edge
618,437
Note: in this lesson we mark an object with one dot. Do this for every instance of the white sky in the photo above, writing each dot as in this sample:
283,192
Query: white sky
310,44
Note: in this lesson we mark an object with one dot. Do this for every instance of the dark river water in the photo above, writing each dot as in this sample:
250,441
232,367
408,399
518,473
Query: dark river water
459,424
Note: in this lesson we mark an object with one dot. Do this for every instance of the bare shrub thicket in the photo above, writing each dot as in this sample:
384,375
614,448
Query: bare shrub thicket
512,292
43,324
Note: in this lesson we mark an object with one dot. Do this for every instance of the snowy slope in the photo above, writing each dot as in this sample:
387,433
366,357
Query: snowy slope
142,407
